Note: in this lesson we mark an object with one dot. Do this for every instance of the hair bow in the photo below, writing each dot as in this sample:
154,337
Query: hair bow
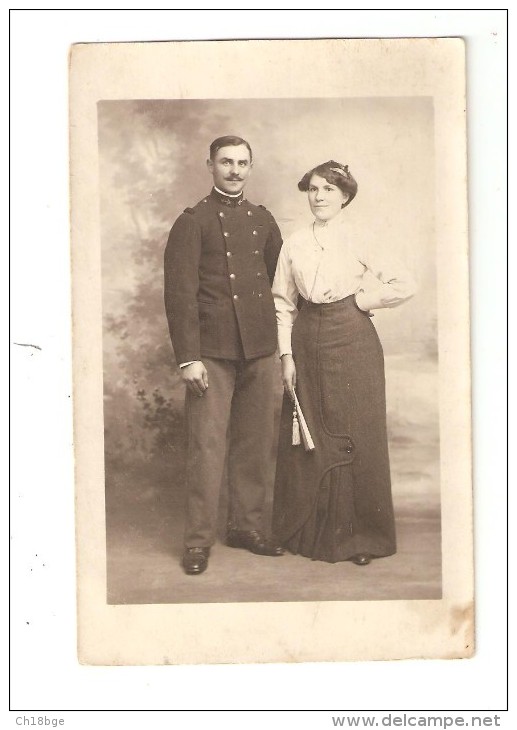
342,170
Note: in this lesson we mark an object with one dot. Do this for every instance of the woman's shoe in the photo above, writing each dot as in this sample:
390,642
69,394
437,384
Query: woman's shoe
361,559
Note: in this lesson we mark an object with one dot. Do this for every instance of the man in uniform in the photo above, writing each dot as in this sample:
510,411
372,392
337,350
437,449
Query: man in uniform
220,262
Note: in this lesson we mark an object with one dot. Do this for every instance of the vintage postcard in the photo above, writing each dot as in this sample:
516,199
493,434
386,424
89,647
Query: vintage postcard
238,210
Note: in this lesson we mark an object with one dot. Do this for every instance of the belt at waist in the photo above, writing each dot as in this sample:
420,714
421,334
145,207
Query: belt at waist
350,300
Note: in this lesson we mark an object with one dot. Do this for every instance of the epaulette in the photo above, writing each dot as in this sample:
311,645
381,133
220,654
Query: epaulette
189,210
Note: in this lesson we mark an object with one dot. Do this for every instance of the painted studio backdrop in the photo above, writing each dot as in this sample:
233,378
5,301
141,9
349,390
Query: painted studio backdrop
152,165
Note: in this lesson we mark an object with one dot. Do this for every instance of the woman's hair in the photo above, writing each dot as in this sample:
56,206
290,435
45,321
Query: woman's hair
334,173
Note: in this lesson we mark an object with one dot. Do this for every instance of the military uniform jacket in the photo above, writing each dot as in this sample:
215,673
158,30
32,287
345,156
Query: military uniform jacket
220,262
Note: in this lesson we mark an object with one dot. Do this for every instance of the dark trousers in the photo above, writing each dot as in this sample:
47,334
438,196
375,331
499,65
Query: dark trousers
238,404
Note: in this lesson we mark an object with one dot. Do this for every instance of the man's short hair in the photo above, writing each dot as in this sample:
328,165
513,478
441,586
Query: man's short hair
228,141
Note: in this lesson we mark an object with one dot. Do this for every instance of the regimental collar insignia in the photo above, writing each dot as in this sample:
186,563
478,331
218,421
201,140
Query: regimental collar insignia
226,199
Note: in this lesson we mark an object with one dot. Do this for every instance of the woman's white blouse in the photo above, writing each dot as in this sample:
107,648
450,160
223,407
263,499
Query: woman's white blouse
322,265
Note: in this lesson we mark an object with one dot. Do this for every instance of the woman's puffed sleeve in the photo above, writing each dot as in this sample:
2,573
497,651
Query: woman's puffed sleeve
285,294
397,285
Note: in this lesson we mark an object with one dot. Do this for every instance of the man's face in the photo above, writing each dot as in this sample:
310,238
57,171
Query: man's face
230,168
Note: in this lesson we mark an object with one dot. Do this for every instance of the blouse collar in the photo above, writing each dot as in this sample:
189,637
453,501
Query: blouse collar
326,233
331,224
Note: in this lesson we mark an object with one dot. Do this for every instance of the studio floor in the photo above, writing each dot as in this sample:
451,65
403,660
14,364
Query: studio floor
145,508
145,547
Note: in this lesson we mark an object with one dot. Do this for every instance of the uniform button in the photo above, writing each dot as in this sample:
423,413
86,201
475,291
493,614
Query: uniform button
226,234
256,253
235,296
221,215
260,295
255,233
228,253
249,212
232,276
259,275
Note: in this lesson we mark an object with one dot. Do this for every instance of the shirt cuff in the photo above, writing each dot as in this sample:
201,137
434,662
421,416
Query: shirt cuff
191,362
284,341
387,295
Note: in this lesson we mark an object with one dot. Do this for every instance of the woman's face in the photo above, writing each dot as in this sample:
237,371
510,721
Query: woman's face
325,199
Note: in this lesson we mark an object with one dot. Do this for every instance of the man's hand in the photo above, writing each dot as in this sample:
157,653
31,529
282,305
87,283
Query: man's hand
196,377
289,374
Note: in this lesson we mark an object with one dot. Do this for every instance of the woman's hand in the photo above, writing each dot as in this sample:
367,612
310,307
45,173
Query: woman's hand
289,375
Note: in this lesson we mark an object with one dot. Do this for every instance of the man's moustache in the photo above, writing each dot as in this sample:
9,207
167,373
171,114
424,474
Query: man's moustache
233,179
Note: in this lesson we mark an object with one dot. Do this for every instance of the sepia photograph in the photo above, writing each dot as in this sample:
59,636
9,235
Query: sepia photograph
210,236
258,342
271,351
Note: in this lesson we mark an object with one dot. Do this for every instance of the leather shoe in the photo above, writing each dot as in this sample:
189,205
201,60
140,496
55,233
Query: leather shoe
361,559
254,542
195,560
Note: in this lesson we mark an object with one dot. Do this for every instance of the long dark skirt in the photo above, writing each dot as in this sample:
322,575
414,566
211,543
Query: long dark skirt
335,501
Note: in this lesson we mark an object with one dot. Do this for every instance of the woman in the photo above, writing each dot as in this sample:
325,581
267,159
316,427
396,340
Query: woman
333,503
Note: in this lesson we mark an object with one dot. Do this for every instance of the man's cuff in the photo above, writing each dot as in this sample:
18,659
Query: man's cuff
191,362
